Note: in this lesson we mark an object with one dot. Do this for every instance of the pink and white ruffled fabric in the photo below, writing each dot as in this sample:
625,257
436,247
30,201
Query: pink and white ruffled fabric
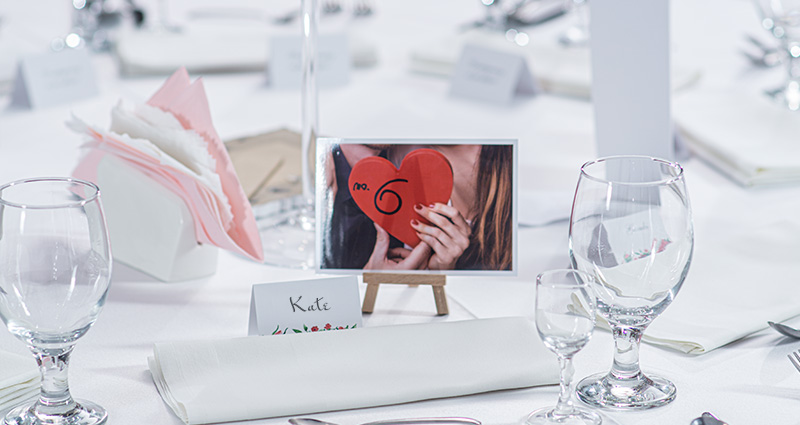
224,219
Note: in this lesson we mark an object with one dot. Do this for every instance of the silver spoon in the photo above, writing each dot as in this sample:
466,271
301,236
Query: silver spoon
411,421
785,330
707,419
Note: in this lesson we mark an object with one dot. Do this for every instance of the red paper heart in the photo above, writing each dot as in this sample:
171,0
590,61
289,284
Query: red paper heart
388,195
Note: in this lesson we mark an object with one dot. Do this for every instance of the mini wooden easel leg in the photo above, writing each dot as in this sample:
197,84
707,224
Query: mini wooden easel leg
437,282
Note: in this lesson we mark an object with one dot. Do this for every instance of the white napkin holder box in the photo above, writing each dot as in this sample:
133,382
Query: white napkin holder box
150,227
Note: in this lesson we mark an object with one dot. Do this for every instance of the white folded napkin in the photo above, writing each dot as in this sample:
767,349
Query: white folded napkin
744,271
260,377
557,69
203,50
741,276
746,135
19,379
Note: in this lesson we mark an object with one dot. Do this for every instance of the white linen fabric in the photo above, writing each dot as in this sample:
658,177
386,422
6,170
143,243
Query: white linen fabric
743,273
222,50
748,136
19,379
261,377
741,277
557,69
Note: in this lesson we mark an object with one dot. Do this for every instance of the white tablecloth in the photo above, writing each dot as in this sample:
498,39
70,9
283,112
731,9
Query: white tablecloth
747,382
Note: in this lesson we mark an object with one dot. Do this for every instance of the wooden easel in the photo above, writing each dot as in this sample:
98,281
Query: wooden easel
437,282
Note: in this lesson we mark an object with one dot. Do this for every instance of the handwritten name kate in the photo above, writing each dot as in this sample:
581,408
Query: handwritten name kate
317,305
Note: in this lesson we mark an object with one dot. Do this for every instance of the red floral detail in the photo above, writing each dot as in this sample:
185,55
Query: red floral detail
314,328
327,326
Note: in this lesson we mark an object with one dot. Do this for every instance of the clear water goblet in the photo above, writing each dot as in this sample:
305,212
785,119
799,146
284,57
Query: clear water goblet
288,236
565,319
55,267
782,19
631,229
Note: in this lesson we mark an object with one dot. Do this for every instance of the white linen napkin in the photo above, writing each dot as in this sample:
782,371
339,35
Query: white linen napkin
557,69
744,271
745,135
260,377
19,379
203,50
741,276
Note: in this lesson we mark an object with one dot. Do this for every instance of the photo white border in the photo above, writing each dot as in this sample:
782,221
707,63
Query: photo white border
323,146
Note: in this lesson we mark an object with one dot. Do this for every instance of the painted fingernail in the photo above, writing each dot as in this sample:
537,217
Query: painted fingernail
430,206
414,222
418,207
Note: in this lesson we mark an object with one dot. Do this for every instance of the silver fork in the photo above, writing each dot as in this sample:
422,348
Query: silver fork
794,357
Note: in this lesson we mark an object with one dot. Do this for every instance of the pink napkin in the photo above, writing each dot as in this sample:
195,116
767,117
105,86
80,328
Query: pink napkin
188,103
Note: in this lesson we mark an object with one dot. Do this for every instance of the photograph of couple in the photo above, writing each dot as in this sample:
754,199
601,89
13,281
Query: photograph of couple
470,231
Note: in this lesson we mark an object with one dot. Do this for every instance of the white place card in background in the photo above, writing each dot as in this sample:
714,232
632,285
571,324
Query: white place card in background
631,78
490,75
54,78
286,61
315,305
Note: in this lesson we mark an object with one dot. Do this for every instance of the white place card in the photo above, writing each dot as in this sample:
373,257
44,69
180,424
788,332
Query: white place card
490,75
286,61
54,78
631,78
315,305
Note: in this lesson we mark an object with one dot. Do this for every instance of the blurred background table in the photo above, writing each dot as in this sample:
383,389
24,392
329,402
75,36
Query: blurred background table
747,382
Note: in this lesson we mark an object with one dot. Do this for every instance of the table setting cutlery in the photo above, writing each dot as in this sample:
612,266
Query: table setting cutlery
794,357
785,330
707,419
405,421
760,53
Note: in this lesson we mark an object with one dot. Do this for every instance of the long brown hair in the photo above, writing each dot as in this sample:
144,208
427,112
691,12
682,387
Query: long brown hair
491,242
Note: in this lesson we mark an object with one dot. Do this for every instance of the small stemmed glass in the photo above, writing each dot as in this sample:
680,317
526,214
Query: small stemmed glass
782,19
565,319
55,267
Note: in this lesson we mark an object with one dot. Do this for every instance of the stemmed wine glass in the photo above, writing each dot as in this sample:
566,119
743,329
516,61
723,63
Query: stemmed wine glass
288,238
55,266
565,318
631,228
782,19
576,35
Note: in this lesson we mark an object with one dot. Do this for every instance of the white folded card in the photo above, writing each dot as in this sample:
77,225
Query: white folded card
19,379
560,70
261,377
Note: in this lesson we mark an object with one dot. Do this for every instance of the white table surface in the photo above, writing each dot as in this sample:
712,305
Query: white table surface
747,382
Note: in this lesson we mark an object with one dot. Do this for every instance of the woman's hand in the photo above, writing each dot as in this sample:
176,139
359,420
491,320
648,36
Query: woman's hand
383,258
448,234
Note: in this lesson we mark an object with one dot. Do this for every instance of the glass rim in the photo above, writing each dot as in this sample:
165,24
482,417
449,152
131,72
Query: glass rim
660,182
587,278
72,180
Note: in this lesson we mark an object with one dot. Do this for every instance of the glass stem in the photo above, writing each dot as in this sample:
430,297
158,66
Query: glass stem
309,117
54,398
564,405
626,355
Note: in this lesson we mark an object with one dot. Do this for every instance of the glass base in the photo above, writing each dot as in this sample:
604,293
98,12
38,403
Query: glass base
602,390
788,95
84,413
288,236
547,416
